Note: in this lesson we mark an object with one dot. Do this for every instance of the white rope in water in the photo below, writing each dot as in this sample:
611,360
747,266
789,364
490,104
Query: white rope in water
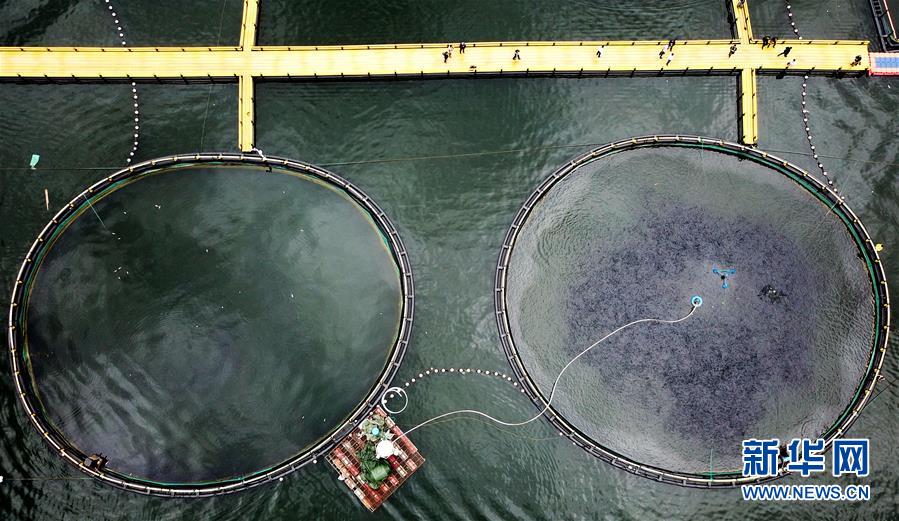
695,304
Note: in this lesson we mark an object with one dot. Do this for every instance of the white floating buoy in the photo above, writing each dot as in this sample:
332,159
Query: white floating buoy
384,449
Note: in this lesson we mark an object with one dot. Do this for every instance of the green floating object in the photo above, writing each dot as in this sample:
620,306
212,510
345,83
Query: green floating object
34,159
377,474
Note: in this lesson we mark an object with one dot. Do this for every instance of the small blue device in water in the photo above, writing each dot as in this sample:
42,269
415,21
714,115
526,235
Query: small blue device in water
724,274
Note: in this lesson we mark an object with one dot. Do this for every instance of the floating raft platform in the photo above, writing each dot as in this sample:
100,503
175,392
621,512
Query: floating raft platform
344,460
885,64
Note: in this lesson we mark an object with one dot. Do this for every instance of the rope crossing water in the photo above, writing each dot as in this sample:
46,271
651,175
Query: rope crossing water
134,94
805,111
695,303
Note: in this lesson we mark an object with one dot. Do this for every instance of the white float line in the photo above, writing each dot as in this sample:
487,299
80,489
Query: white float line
434,371
805,111
134,94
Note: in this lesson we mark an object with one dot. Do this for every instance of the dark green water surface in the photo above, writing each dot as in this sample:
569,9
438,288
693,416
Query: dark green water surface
482,146
215,322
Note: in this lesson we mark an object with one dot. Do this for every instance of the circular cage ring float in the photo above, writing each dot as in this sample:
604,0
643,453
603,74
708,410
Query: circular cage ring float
866,250
18,352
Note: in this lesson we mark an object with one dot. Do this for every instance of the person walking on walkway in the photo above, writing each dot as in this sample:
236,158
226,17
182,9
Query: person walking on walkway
857,60
599,51
773,42
449,50
517,55
446,56
791,63
765,41
785,52
670,57
733,49
462,47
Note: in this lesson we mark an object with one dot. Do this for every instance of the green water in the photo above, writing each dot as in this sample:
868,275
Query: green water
452,214
196,309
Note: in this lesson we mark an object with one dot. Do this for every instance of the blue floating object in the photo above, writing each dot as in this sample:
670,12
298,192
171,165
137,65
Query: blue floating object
696,301
375,431
34,159
724,273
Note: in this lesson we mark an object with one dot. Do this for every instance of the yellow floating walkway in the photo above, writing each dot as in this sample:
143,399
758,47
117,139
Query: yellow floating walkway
387,60
249,23
246,113
749,120
244,63
743,24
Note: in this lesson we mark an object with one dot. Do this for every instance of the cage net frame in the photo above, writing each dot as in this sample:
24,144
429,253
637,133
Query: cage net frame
827,197
26,387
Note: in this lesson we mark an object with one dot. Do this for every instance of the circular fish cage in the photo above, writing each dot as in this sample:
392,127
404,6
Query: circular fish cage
639,229
383,233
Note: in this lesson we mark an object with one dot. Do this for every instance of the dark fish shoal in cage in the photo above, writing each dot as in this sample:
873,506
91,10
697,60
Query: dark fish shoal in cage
790,348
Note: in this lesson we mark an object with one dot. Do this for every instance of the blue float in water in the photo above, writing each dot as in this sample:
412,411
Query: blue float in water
724,273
